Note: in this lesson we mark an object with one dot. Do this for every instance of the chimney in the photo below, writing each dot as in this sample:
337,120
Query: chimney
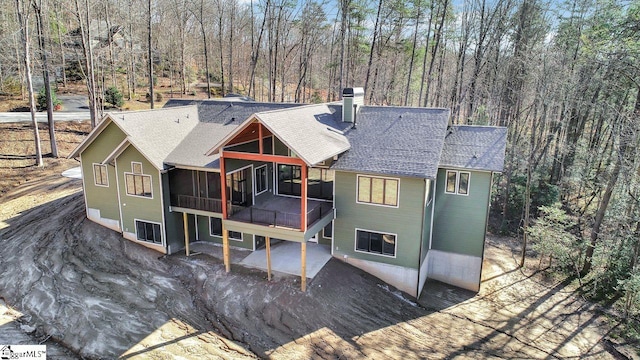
352,101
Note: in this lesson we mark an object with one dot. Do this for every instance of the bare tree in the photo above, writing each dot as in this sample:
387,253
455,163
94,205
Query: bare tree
22,10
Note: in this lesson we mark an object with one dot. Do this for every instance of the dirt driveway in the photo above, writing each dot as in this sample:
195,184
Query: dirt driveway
104,297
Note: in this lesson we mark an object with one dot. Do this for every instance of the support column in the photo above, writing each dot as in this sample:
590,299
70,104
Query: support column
186,232
303,270
225,248
268,241
223,186
260,138
303,198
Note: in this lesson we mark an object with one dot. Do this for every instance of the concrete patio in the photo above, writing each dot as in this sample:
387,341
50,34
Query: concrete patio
285,258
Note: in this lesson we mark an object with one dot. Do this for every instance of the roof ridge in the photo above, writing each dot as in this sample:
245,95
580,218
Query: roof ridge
181,107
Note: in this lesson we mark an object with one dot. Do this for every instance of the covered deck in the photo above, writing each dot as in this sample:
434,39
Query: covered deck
281,211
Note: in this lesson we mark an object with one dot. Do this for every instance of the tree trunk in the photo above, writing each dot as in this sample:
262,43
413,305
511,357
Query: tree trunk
150,54
413,52
23,20
45,72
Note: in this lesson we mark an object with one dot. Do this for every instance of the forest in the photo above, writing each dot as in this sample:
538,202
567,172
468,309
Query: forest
562,76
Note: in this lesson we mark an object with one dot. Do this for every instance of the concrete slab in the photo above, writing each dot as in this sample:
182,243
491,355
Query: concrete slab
285,258
74,173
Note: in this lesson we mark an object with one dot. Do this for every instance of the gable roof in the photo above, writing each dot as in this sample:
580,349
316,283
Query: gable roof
475,147
155,133
399,141
322,133
218,118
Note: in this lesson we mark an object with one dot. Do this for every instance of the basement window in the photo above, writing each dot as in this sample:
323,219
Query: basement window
234,235
376,242
100,176
457,182
148,232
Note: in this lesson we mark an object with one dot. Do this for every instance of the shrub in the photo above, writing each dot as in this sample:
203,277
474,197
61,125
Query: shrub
159,96
113,96
41,100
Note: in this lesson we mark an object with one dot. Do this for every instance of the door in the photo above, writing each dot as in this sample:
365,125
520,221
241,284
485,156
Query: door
237,187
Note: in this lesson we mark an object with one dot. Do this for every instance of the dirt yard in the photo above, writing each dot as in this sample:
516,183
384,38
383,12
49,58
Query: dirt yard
91,294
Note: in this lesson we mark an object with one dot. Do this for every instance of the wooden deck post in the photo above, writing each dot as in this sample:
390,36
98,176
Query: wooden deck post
303,198
225,248
223,186
268,241
303,270
260,144
186,232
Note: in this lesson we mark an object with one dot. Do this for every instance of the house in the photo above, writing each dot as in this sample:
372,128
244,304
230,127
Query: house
396,191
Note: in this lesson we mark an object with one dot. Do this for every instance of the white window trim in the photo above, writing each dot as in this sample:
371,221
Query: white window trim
141,168
255,180
211,233
456,191
234,239
324,235
126,190
355,243
135,226
93,167
376,177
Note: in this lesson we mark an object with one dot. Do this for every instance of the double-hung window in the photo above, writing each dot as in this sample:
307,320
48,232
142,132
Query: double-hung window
136,183
377,190
376,242
100,176
457,182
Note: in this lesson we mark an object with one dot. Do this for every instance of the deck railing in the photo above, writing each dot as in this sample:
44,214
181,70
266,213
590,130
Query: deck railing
257,215
197,203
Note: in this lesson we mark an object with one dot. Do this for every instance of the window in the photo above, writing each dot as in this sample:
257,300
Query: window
136,183
261,179
376,243
234,235
289,179
215,226
100,177
320,183
327,232
379,191
148,232
457,182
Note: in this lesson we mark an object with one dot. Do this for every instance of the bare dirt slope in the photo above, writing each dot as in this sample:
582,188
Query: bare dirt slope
102,296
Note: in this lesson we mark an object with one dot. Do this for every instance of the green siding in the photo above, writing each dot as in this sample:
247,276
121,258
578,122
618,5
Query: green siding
405,221
459,220
99,197
204,234
136,207
174,223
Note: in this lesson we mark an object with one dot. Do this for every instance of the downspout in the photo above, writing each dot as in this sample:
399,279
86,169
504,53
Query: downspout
486,228
355,115
424,205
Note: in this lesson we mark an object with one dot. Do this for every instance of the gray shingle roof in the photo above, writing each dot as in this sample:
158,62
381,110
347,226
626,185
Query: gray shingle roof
396,141
475,147
310,131
217,119
156,132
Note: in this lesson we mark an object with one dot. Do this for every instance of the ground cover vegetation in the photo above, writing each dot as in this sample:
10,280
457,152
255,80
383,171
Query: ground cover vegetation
562,76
